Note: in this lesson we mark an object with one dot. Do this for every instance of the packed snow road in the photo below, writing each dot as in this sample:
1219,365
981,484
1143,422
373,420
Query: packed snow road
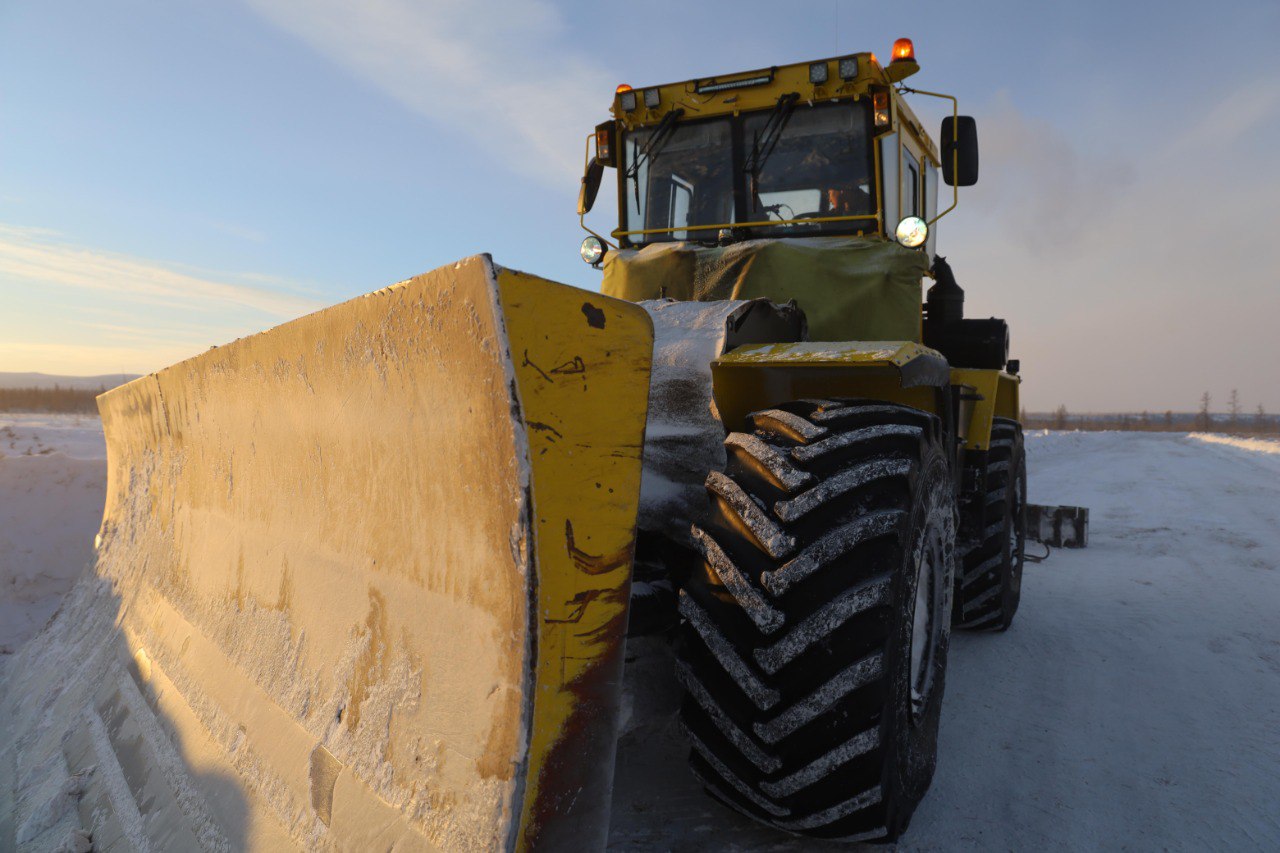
1134,704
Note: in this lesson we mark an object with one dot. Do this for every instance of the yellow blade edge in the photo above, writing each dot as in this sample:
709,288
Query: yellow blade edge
582,363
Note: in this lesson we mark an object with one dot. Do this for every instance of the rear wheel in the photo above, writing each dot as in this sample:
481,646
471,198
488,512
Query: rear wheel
816,627
989,586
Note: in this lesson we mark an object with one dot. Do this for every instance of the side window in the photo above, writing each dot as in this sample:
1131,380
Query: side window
931,206
637,199
910,184
889,187
681,200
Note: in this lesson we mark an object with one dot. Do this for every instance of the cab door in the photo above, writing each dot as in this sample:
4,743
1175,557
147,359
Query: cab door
918,187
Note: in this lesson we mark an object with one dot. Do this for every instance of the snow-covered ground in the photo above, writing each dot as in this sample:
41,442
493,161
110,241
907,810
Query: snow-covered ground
52,485
1134,704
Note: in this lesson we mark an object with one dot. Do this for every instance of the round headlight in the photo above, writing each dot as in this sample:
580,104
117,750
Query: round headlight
912,232
592,250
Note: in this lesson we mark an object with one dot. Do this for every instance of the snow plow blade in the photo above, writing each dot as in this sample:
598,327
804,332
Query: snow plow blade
361,584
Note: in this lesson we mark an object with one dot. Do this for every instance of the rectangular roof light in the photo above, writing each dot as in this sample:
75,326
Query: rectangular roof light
713,86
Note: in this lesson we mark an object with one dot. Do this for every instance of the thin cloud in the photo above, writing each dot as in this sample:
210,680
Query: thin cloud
506,75
1230,118
32,255
117,334
1127,278
1047,193
239,231
91,359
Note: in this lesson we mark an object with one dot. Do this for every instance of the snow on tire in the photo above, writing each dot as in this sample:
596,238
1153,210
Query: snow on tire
989,584
816,627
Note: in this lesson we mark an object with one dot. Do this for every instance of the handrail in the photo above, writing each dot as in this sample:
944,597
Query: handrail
767,222
955,153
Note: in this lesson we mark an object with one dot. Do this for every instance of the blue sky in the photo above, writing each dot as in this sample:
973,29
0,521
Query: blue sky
176,174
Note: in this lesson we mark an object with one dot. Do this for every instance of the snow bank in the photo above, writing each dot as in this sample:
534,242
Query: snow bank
1257,445
52,487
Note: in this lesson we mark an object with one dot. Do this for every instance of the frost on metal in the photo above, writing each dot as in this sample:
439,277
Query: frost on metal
816,703
824,351
779,422
757,756
866,798
765,616
776,543
684,438
764,697
819,769
732,778
779,466
845,481
834,545
807,453
830,617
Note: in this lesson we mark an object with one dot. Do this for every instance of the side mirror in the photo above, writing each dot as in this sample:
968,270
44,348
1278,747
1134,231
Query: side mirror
590,186
959,135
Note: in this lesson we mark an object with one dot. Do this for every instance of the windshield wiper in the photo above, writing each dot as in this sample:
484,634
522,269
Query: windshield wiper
767,140
652,146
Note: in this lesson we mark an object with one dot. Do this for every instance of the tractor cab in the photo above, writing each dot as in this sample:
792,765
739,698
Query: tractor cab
818,149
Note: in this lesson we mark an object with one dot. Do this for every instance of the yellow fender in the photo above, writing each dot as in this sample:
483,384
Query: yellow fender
761,376
986,394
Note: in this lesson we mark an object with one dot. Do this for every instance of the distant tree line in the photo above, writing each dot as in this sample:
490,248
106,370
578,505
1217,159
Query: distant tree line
55,399
1235,420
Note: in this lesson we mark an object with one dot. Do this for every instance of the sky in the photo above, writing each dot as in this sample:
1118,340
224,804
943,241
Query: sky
177,174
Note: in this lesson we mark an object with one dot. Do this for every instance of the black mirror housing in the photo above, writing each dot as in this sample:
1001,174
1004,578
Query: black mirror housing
959,135
590,186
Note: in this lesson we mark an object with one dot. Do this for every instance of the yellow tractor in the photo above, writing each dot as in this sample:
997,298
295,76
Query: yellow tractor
871,489
365,580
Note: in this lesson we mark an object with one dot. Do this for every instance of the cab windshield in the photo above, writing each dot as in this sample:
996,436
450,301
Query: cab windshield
700,174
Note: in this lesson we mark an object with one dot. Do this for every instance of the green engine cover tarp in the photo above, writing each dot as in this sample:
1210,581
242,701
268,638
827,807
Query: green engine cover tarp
851,289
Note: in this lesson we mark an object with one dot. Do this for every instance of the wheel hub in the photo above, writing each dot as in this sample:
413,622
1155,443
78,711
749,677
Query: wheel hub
927,621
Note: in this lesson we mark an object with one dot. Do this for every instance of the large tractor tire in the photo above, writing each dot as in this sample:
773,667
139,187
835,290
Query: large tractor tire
816,627
990,583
